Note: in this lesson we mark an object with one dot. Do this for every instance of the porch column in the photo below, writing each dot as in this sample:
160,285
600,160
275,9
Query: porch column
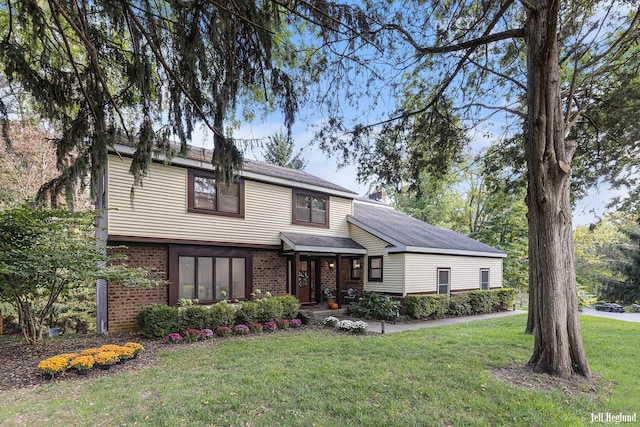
339,278
295,274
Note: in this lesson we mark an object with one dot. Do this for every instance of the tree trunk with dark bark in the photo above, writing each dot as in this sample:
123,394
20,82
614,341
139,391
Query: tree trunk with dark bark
553,314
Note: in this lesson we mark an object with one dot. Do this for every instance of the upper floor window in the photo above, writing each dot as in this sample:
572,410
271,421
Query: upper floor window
211,197
310,208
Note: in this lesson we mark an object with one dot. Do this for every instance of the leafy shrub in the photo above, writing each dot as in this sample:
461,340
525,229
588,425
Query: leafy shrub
247,312
481,302
506,298
255,328
290,306
270,327
425,306
223,331
269,309
459,305
330,321
241,329
158,320
374,305
222,314
283,323
306,317
195,317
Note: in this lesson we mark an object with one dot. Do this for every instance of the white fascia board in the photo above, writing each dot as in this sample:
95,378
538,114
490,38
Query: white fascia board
399,247
321,249
200,164
440,251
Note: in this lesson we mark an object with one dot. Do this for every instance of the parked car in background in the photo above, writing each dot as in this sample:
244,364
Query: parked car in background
610,307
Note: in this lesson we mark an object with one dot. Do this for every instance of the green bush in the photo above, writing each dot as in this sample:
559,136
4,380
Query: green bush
376,306
307,317
158,320
269,309
290,306
195,317
482,302
222,314
425,306
247,313
459,305
506,298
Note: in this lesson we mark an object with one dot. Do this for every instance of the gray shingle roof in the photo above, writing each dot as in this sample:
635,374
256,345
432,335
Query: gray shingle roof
266,169
333,244
412,235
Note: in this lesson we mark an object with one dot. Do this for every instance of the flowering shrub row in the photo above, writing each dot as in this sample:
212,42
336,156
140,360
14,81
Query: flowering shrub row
191,335
158,320
104,356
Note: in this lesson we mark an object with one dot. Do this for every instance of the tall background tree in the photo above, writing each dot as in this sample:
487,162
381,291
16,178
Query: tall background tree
538,63
90,65
278,150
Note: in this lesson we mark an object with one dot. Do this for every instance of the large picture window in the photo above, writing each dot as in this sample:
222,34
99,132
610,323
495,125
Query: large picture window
211,197
208,274
375,269
310,209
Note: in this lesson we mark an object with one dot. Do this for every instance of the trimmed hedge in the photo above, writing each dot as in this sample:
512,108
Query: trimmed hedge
425,306
475,302
222,314
158,320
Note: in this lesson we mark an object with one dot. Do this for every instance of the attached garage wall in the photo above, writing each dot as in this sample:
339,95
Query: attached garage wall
392,265
421,272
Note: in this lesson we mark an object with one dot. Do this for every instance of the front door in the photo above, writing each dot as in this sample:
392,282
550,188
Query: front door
307,281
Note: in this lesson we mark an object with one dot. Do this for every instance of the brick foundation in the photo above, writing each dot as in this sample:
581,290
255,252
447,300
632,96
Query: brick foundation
124,304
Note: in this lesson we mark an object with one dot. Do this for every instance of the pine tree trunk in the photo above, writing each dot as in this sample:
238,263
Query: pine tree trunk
553,313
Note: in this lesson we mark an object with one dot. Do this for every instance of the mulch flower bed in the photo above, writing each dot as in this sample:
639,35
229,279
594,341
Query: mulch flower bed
18,361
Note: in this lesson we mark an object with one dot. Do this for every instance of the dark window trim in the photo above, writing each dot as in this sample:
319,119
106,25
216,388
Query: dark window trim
381,269
438,280
488,270
294,195
190,194
351,269
175,252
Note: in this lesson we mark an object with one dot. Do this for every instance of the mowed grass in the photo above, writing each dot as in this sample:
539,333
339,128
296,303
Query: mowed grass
430,377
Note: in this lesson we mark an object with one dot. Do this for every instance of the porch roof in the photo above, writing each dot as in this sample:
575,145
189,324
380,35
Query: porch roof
323,244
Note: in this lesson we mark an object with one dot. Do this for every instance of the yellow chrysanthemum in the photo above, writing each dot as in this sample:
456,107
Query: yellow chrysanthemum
53,365
106,357
82,362
89,352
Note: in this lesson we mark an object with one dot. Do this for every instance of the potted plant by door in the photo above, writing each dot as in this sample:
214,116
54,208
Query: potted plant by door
329,296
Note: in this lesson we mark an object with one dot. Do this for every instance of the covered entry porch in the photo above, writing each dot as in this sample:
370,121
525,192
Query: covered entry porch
316,263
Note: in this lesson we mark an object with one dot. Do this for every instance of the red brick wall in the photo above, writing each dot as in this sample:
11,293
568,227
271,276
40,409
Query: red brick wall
269,272
124,304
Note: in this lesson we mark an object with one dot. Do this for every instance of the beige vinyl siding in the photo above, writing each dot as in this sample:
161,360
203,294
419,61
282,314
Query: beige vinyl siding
392,265
421,271
159,210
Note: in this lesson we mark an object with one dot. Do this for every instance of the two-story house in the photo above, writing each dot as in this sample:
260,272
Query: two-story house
274,229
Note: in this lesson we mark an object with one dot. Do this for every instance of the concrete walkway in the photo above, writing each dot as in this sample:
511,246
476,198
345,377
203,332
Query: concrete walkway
376,326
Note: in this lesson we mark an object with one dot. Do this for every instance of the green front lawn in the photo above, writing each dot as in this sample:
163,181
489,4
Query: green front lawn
436,376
